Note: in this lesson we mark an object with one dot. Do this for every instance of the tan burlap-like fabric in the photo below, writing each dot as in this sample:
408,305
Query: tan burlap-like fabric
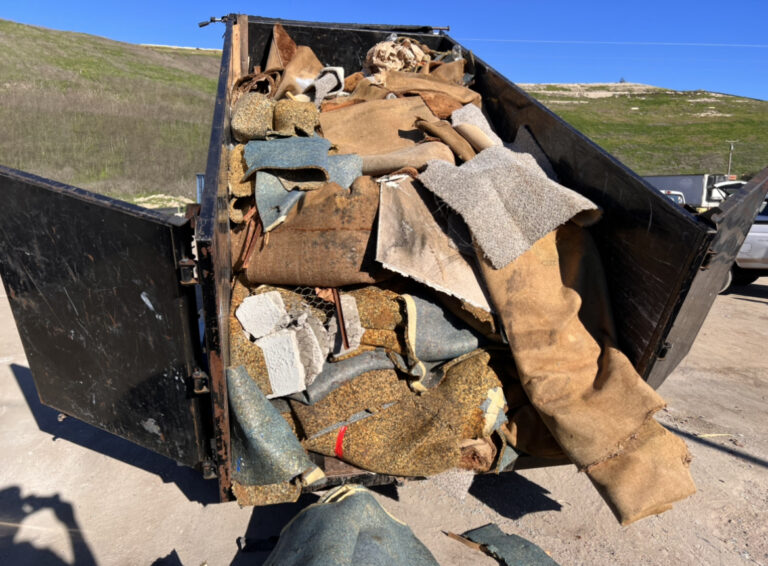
415,156
299,73
452,72
443,130
375,127
553,303
281,49
649,474
324,241
416,83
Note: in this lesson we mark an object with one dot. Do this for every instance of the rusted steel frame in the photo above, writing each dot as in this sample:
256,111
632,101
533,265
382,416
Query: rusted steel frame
340,317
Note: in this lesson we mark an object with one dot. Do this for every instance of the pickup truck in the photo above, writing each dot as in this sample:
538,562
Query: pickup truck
752,259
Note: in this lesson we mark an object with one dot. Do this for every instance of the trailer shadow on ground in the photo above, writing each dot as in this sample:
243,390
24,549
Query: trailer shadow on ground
189,481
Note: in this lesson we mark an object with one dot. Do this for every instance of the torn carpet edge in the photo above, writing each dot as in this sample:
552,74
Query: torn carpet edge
264,449
508,549
411,243
506,199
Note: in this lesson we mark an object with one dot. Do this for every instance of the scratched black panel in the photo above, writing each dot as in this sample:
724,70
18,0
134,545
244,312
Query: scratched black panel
733,222
108,332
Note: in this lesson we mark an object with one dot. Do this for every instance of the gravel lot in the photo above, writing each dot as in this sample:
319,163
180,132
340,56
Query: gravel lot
72,494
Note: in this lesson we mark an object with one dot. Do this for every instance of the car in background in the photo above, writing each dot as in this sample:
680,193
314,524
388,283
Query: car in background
752,259
700,191
675,196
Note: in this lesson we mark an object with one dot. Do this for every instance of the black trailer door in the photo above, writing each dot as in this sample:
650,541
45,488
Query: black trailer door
731,221
109,331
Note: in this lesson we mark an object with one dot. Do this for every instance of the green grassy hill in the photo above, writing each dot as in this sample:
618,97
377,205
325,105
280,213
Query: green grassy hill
111,117
664,132
129,120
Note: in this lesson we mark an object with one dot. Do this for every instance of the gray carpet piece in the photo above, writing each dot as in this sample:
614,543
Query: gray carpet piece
297,153
471,114
348,526
511,550
344,169
272,200
505,198
329,82
434,334
264,449
411,241
526,143
335,374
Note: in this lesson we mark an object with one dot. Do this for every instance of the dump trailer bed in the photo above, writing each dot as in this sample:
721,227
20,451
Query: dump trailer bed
105,294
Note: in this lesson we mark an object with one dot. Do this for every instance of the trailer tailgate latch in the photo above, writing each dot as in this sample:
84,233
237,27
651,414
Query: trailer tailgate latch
187,271
200,382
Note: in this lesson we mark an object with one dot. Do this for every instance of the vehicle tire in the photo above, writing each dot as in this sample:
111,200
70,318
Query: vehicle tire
727,282
743,276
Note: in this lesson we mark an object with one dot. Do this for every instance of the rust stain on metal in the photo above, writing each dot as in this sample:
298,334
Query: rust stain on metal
221,424
340,317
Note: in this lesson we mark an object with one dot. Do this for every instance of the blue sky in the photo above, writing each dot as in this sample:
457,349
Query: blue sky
684,45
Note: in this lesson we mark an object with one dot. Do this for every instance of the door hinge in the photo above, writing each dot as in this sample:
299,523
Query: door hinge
200,382
208,467
187,271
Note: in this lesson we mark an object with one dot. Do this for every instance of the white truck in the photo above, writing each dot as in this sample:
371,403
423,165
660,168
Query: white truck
700,191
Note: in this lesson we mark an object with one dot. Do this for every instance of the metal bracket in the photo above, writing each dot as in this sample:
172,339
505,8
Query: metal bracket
187,271
707,260
214,20
208,469
200,382
664,350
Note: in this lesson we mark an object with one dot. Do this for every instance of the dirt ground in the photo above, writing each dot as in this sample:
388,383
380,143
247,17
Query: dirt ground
72,494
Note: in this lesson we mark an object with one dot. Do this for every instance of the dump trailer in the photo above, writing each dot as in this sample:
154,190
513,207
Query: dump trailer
124,312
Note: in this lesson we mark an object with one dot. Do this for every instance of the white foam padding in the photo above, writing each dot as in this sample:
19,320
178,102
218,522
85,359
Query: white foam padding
262,314
283,361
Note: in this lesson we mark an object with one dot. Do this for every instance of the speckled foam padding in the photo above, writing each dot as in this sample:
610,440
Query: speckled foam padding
404,433
505,198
